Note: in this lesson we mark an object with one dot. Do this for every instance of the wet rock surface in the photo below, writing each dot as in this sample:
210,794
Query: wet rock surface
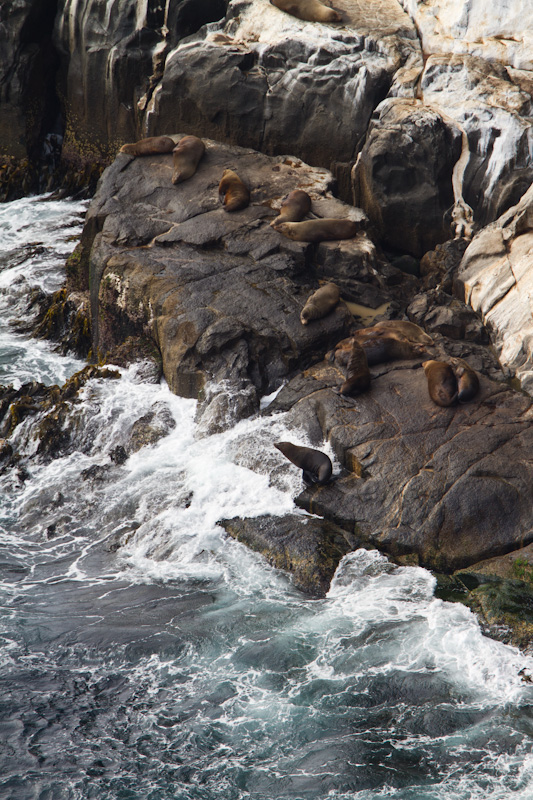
308,547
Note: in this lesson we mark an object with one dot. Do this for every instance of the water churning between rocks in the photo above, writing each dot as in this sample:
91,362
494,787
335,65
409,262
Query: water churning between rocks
144,655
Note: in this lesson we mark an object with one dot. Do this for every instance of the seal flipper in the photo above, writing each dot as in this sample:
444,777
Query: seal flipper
309,478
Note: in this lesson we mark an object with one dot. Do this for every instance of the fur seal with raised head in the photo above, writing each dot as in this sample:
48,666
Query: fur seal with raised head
320,303
308,10
442,385
325,229
186,156
316,466
357,372
233,193
467,380
148,147
294,207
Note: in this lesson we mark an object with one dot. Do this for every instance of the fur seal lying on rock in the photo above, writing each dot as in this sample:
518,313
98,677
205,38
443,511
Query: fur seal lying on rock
318,230
389,340
442,384
186,156
315,464
357,372
148,147
467,380
309,10
233,193
320,303
402,327
294,207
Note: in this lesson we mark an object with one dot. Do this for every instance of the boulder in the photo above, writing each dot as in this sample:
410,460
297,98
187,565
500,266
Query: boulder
220,293
403,177
489,29
262,78
112,57
492,106
309,548
28,105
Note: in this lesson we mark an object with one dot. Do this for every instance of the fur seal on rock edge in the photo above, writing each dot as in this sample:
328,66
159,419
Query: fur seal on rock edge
323,229
316,466
186,156
294,207
308,10
154,145
233,193
320,303
442,385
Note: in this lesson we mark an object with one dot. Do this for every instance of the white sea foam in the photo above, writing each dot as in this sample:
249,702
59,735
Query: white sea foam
36,235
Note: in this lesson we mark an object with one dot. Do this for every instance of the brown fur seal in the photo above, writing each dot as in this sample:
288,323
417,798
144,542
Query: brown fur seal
467,380
149,147
382,346
315,464
357,372
294,207
318,230
442,385
309,10
320,303
379,346
403,327
186,157
232,191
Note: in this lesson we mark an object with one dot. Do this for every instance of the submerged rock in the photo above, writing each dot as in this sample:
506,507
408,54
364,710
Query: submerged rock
308,547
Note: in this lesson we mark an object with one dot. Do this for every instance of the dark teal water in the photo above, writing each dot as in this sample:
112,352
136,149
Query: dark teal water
144,656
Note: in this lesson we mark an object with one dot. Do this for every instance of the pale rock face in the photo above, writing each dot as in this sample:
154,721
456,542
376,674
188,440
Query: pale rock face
496,278
497,30
483,101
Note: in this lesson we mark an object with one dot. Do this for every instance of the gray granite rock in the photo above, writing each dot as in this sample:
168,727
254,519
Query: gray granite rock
450,485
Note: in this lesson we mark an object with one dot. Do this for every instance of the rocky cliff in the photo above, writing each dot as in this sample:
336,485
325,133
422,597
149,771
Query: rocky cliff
412,118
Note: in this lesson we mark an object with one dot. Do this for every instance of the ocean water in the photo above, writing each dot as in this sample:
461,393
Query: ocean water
144,655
